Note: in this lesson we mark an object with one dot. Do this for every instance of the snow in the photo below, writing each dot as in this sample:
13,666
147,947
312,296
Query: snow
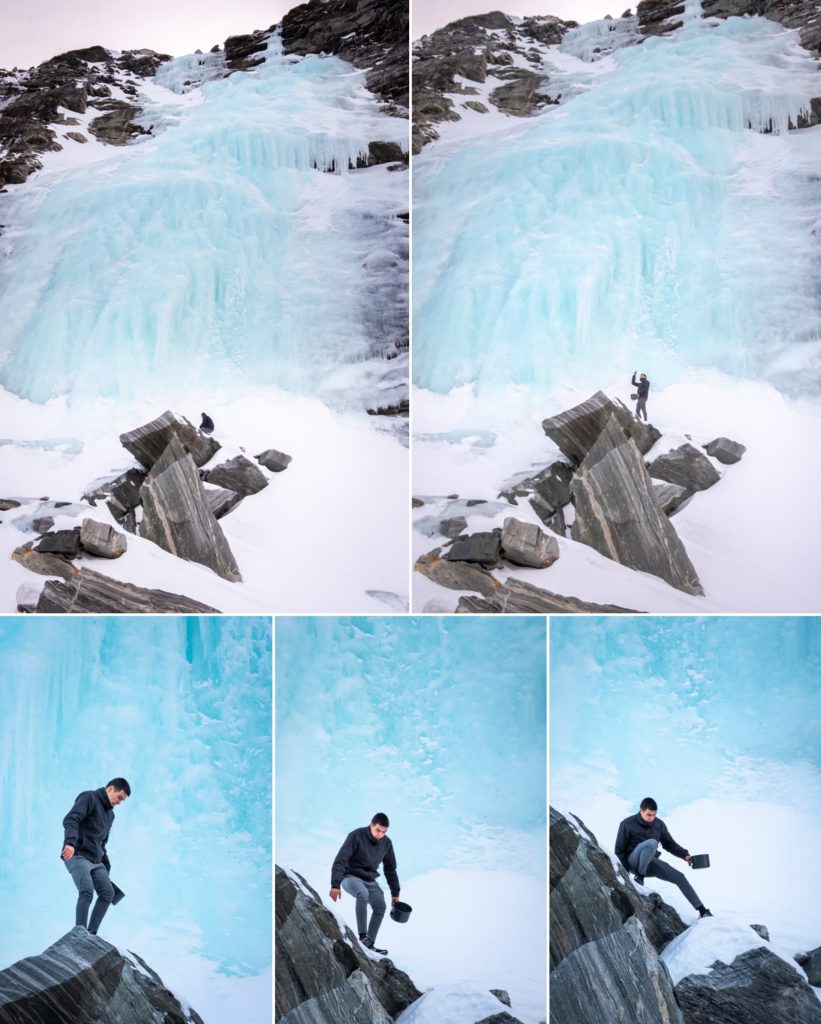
451,1004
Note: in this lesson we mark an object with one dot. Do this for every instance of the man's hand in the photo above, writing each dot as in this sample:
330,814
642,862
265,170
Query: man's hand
394,899
336,894
689,860
68,852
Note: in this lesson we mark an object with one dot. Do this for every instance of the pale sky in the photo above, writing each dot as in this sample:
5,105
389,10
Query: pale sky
35,30
428,15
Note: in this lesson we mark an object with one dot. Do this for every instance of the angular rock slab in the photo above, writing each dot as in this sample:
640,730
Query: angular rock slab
83,978
61,542
102,540
220,500
87,591
43,564
148,442
515,597
811,962
726,451
618,515
484,548
239,475
176,515
124,493
618,977
670,497
576,430
456,575
526,544
758,987
687,467
274,460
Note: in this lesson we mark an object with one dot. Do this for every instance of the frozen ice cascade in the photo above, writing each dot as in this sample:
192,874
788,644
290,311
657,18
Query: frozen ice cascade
229,246
665,205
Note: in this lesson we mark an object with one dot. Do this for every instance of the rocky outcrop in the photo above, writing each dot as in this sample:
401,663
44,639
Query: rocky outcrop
575,431
148,442
86,591
323,975
618,515
82,979
176,515
526,544
726,451
515,597
811,962
687,467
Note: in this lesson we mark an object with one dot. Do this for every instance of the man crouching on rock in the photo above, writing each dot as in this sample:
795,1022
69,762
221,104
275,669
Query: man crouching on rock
637,849
355,871
87,826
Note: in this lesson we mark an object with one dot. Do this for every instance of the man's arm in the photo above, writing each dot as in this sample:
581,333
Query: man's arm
391,877
671,845
340,865
621,845
71,824
633,380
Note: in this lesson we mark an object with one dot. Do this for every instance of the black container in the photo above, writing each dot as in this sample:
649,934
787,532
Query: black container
700,860
400,912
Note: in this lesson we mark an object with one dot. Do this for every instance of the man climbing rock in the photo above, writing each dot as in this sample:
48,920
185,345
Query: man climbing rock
637,849
355,870
87,826
642,386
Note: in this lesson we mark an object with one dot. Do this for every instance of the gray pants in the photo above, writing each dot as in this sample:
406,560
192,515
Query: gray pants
366,893
643,861
641,408
90,878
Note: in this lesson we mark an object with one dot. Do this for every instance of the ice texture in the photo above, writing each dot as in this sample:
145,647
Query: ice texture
662,209
231,246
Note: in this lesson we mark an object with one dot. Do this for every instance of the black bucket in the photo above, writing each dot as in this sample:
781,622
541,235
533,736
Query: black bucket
400,912
700,860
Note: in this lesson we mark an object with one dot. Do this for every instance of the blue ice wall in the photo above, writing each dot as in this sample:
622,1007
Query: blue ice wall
662,213
688,708
182,709
232,249
440,723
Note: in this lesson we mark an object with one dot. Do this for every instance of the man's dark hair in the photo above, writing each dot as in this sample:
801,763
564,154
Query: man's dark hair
649,804
380,819
120,784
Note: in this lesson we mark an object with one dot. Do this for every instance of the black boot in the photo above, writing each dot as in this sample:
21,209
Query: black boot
703,911
639,879
367,942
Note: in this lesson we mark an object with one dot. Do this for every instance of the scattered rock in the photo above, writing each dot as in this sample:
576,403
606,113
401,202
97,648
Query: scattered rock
687,467
526,544
116,127
453,527
89,591
501,995
762,930
484,548
670,497
811,962
523,95
239,475
61,542
515,597
7,504
43,564
456,575
147,443
43,524
576,430
274,460
220,500
124,493
417,503
102,540
726,451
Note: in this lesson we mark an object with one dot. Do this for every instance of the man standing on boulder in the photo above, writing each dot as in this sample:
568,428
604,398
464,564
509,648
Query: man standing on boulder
642,386
355,870
637,850
87,826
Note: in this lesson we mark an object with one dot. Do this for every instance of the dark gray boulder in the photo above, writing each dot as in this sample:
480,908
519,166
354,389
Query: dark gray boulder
453,526
526,544
670,497
86,591
61,542
515,597
148,442
576,430
763,931
220,500
726,451
758,987
618,515
553,519
82,979
42,524
811,962
7,504
101,539
455,575
239,475
484,548
552,484
523,93
176,515
124,493
502,995
274,460
323,975
687,467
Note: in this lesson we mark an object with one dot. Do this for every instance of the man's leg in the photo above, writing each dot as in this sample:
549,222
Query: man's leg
105,894
641,409
642,856
669,874
80,870
356,887
376,898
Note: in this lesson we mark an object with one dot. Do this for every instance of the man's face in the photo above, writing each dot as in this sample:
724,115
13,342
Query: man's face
648,815
115,796
377,831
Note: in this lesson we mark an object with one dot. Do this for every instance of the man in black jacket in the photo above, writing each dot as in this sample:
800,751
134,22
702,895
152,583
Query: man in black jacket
355,870
87,826
642,386
637,850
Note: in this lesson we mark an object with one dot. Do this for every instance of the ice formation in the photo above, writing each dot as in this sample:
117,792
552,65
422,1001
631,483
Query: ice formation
662,208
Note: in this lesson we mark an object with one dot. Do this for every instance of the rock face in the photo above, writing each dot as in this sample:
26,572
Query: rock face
322,974
176,515
83,978
87,591
726,451
515,597
758,987
618,515
687,467
576,430
239,475
526,544
147,443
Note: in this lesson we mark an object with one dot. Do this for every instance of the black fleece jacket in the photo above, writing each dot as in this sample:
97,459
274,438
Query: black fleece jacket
642,386
635,830
88,824
360,855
